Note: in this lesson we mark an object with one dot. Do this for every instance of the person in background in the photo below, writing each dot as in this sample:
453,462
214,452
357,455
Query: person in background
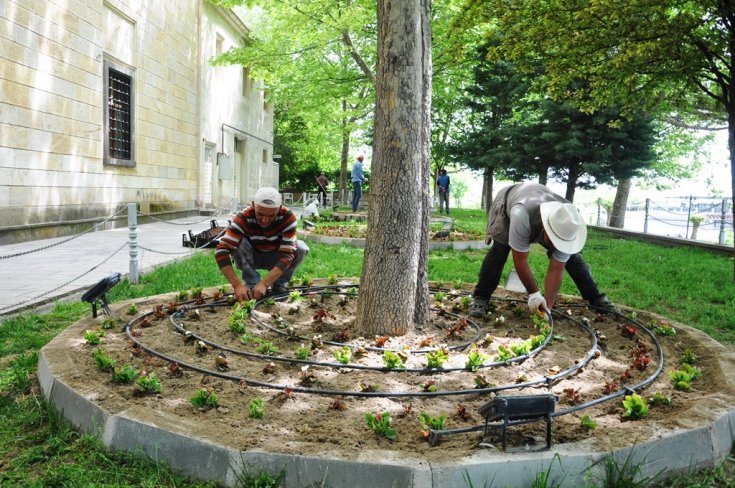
528,213
442,185
323,184
357,179
263,236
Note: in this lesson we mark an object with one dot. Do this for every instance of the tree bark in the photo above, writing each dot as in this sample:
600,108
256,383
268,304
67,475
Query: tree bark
487,188
391,299
345,154
572,178
617,216
731,145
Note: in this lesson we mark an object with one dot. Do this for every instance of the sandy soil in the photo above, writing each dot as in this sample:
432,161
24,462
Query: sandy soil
299,422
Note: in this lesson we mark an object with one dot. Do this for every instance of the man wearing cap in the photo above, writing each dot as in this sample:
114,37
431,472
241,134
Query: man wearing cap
520,215
263,236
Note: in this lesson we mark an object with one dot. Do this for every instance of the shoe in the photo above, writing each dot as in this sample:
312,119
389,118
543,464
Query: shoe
604,303
279,289
478,308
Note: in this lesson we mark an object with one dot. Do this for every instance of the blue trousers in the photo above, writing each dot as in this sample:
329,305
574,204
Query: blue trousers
249,260
356,194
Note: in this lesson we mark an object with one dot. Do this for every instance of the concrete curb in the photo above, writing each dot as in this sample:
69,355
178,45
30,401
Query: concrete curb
168,438
360,243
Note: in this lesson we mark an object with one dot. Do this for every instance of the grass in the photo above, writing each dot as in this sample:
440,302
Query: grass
37,448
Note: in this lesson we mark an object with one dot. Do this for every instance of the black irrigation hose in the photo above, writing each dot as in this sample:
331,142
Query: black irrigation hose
548,380
576,408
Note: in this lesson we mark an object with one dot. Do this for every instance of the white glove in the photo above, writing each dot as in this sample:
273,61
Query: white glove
537,302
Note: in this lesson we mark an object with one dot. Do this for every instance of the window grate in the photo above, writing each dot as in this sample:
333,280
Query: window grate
119,110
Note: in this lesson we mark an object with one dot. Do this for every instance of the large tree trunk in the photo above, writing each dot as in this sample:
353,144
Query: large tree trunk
731,145
617,216
390,299
572,177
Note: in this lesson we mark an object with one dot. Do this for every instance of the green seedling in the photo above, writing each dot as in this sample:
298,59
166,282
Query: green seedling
428,422
132,309
465,301
182,295
93,337
659,398
295,296
635,407
588,423
380,424
149,384
267,348
436,359
663,328
306,281
429,386
108,323
440,296
693,371
256,408
457,284
196,292
332,279
126,374
475,359
269,301
103,361
688,356
504,354
302,352
392,360
520,348
681,380
247,338
238,318
536,341
205,398
352,292
343,354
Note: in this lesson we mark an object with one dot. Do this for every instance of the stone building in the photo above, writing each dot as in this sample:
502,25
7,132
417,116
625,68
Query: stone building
106,102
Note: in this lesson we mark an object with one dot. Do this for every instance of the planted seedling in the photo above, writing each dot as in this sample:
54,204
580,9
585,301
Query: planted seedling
342,336
380,424
457,284
221,363
158,312
93,337
688,356
103,361
659,398
343,354
429,386
662,328
635,407
475,359
338,404
439,297
427,422
628,331
610,387
269,301
302,352
322,314
205,398
306,281
332,279
306,376
481,382
392,360
693,371
588,423
462,412
246,338
132,309
108,323
681,380
256,408
572,396
504,354
457,328
295,296
367,387
352,292
520,348
436,359
267,348
148,383
126,374
175,370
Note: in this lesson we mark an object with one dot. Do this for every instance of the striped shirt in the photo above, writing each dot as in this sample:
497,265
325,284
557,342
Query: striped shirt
279,236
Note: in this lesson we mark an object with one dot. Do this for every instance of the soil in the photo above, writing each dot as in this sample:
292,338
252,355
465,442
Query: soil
298,422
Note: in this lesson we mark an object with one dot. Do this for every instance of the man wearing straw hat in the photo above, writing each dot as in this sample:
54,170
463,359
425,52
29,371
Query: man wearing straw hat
527,213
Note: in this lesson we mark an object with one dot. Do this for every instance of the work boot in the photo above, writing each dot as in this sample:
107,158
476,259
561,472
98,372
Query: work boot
279,289
478,308
604,303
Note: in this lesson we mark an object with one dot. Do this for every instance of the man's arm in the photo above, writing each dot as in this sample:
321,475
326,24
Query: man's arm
552,283
242,292
520,261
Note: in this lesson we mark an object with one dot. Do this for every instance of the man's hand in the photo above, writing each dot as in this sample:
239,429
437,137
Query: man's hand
242,293
537,303
260,290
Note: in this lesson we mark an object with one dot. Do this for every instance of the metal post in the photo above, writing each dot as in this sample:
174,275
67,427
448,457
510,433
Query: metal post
133,226
689,214
599,210
721,239
645,218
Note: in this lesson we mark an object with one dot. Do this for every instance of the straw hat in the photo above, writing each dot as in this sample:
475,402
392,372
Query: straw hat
564,226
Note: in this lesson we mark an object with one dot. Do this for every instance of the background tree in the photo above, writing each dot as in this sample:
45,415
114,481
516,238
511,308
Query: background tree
394,292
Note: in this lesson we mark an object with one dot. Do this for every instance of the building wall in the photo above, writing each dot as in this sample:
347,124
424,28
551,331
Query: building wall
51,107
230,97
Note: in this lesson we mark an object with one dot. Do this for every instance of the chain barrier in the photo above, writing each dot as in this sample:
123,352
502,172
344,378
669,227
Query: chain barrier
16,305
64,241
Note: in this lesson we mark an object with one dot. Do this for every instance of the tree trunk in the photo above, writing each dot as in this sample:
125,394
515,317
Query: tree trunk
391,299
617,216
345,154
731,145
572,178
487,188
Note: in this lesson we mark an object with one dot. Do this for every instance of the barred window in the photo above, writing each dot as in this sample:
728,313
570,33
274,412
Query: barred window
119,111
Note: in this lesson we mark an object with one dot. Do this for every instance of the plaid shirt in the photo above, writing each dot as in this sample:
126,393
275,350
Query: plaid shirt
280,237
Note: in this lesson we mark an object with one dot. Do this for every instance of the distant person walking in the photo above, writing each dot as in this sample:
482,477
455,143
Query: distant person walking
357,179
442,185
323,184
